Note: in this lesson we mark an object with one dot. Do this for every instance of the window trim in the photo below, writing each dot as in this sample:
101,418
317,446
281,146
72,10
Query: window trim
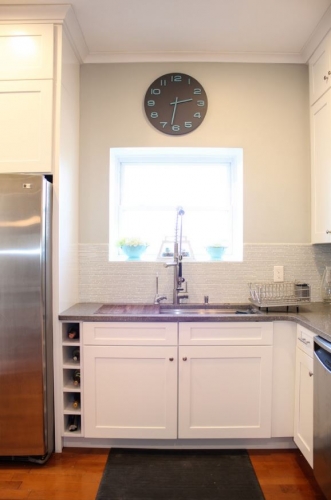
234,156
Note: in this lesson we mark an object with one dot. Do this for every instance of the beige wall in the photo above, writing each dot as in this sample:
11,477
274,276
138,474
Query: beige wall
262,108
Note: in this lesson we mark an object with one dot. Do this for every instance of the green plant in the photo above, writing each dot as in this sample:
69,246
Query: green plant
132,242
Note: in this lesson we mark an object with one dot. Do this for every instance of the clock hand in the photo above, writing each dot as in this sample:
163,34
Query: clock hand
184,100
174,111
175,107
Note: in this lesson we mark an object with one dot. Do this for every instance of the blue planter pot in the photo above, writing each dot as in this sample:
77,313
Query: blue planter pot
215,253
133,252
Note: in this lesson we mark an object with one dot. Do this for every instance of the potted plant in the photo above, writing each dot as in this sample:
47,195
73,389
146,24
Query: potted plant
216,250
133,248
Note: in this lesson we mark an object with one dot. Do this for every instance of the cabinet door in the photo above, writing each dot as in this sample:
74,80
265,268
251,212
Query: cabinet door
321,170
130,392
320,70
225,392
303,413
26,126
26,51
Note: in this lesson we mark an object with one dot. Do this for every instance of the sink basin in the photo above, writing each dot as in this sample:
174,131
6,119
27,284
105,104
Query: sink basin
207,309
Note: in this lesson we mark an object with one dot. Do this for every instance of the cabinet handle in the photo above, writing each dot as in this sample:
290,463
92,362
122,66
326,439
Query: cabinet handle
329,72
171,359
185,359
304,341
326,77
328,231
310,374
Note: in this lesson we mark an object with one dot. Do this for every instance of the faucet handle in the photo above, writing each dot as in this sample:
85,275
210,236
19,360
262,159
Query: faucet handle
159,298
206,299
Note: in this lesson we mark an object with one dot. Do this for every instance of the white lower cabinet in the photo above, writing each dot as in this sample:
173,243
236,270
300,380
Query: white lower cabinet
223,390
130,392
304,395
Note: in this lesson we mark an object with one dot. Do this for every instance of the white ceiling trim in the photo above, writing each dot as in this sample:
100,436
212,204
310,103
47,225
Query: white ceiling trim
162,57
33,13
75,35
323,27
56,14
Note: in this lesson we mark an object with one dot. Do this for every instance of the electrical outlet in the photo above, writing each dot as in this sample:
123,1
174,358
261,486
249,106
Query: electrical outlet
278,273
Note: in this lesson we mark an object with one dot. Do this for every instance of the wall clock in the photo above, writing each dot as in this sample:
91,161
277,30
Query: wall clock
176,104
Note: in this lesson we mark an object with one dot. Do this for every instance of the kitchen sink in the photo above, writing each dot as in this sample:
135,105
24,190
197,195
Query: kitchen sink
220,310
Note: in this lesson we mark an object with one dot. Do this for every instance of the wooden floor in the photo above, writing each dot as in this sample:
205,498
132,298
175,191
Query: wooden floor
75,475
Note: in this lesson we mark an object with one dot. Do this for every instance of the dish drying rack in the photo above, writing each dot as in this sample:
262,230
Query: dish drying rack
284,294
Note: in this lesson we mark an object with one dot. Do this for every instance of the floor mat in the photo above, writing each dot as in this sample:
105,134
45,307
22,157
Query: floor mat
132,474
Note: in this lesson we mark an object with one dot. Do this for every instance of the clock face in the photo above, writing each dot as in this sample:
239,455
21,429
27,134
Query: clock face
175,104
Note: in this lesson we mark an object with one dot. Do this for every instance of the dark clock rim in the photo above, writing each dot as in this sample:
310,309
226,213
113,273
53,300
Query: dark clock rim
181,85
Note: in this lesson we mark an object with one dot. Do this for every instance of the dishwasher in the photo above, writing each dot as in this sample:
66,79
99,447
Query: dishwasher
322,414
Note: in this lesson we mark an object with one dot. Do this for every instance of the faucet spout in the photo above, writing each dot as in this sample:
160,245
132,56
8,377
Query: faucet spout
178,291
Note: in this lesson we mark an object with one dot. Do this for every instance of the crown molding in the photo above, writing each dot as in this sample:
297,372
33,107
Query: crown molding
75,35
57,14
163,57
318,35
33,13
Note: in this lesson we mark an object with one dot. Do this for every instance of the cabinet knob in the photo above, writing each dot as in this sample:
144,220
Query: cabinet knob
185,359
329,72
326,77
311,374
171,359
328,231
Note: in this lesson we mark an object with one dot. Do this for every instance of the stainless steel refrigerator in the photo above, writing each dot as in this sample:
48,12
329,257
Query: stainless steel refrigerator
26,346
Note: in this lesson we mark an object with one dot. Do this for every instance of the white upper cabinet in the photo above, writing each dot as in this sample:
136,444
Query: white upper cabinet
26,126
320,123
320,70
26,51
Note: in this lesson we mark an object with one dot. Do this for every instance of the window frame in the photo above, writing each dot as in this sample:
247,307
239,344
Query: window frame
233,156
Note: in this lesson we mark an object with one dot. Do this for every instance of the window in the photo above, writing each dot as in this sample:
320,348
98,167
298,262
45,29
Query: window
148,184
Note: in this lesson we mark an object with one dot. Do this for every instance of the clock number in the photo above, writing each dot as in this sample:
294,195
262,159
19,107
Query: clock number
151,103
163,124
156,91
200,103
197,91
188,124
197,115
176,128
176,78
163,83
154,114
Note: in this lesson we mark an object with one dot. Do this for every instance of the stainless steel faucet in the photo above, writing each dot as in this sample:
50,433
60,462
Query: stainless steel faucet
178,292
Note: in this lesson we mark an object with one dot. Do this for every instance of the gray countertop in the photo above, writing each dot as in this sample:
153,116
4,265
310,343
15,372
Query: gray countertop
316,316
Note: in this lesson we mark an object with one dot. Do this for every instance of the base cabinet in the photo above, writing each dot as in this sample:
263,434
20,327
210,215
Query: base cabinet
304,395
130,392
224,391
170,391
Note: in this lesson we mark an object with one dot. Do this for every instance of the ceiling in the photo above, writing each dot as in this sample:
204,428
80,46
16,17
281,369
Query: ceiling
196,30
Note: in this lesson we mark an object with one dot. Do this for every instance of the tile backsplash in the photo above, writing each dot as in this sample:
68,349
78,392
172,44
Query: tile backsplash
104,281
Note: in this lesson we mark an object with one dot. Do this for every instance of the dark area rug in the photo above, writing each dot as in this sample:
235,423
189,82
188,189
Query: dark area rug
132,474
